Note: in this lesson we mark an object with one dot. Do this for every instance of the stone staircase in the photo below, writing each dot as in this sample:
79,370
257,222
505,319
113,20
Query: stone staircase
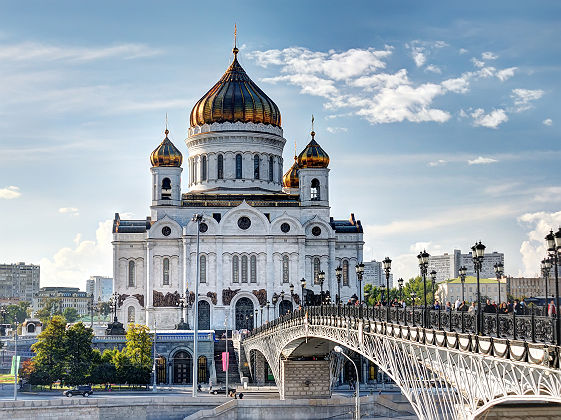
233,371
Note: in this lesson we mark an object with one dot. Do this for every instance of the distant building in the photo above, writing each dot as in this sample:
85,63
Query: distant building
447,265
19,281
451,290
67,297
374,274
523,287
100,287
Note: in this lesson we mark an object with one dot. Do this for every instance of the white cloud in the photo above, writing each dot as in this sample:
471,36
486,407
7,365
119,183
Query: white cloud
434,69
382,80
463,51
458,85
548,195
548,122
533,249
477,63
505,74
437,162
523,98
74,265
337,129
482,161
10,192
488,55
490,120
419,58
73,211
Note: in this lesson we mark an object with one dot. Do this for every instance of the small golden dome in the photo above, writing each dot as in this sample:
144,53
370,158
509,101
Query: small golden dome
290,178
235,98
166,154
313,156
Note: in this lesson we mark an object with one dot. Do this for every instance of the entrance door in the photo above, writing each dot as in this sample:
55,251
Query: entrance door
244,314
204,315
284,307
182,368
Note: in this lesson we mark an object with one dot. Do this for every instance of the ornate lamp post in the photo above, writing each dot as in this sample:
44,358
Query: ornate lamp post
553,247
477,255
291,287
359,272
321,278
433,283
261,307
499,271
423,259
546,266
274,301
400,283
268,312
463,271
198,219
303,284
338,274
387,263
183,300
256,318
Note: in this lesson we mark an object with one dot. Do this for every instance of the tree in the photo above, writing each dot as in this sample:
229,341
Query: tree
79,354
103,370
134,363
70,314
17,312
416,285
51,307
50,353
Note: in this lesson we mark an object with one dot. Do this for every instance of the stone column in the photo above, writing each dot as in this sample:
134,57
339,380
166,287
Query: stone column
149,294
331,278
185,273
270,273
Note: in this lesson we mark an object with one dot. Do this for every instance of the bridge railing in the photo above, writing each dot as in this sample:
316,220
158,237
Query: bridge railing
530,327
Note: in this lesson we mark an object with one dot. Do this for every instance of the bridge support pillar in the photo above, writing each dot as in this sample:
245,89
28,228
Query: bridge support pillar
305,379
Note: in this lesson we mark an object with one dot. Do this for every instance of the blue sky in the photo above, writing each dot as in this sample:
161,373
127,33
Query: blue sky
441,120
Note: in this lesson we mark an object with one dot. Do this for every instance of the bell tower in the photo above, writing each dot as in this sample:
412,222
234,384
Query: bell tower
166,171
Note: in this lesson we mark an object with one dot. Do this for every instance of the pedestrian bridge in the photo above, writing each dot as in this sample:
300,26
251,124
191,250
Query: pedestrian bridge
445,369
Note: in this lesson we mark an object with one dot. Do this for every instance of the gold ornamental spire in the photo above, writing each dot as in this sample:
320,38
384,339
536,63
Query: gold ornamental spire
235,50
313,133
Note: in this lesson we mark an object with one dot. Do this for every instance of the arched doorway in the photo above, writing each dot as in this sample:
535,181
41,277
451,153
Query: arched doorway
182,368
31,328
204,315
161,370
284,307
202,374
244,314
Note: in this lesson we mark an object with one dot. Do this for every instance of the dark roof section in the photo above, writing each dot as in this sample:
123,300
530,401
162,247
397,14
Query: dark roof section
131,226
233,200
346,226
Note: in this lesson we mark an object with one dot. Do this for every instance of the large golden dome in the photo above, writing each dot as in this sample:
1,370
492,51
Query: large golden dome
313,156
166,154
235,98
290,178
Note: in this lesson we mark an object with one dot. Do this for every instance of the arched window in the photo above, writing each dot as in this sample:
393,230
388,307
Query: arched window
270,169
253,269
256,167
317,266
220,166
166,272
130,315
202,269
131,274
31,328
238,166
285,269
345,273
314,192
235,269
166,189
244,269
203,169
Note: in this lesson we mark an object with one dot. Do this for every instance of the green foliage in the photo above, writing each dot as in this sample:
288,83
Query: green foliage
103,370
416,285
51,307
17,312
139,346
373,294
71,314
79,354
50,353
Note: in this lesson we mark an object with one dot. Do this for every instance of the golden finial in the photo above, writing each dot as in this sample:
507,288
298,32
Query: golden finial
295,153
166,131
235,50
313,133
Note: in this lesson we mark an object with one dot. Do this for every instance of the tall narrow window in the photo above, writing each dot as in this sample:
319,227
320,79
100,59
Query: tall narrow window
253,269
285,269
166,189
202,269
220,166
314,193
203,169
345,273
244,269
238,166
317,266
256,167
166,271
130,315
235,269
271,169
131,273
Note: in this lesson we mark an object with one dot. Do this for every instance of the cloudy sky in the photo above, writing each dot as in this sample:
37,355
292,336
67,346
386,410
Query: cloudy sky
442,120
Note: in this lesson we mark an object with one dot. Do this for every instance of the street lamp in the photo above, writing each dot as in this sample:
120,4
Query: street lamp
198,219
433,283
338,274
400,283
546,266
553,248
255,321
387,263
275,300
477,254
303,284
183,300
499,270
382,288
463,271
338,349
423,259
359,272
321,278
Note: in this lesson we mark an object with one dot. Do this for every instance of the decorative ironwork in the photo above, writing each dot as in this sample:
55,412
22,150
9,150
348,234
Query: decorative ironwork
261,296
212,296
169,299
227,295
444,373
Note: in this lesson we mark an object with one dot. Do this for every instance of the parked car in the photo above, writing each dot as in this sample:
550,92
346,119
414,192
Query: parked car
221,390
85,390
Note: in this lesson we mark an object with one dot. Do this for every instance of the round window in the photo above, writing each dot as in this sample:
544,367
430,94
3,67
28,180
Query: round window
166,231
285,227
244,222
203,227
316,231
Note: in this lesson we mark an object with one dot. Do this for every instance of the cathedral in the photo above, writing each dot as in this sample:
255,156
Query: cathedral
265,239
